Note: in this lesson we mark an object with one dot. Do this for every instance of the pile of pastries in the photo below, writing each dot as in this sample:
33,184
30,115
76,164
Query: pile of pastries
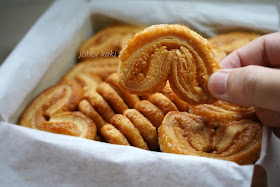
152,94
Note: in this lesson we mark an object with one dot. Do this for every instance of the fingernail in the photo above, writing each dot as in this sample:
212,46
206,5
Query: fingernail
218,82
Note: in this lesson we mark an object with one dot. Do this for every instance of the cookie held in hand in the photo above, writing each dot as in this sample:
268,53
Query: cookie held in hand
168,52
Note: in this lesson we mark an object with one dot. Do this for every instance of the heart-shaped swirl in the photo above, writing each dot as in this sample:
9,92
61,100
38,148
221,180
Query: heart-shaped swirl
184,133
172,52
52,110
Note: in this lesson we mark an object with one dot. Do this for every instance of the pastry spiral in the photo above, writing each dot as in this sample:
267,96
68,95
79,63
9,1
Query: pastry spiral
220,112
184,133
110,39
59,98
224,44
69,123
54,105
171,52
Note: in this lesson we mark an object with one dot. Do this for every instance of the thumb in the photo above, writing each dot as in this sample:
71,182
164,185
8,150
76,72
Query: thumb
248,86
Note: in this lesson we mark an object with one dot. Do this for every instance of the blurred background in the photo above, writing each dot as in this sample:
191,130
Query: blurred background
18,16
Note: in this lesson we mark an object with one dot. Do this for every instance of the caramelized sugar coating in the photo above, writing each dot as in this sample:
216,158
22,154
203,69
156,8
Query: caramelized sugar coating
181,105
224,44
184,133
127,128
100,105
168,52
86,108
112,97
150,111
101,67
69,123
130,99
52,110
162,102
110,39
221,112
144,126
112,135
59,98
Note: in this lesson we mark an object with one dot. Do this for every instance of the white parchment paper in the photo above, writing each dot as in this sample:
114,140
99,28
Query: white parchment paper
30,157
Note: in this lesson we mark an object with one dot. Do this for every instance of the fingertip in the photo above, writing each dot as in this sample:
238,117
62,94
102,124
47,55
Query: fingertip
217,83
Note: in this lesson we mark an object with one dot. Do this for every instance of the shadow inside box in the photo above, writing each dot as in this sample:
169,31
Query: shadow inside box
259,178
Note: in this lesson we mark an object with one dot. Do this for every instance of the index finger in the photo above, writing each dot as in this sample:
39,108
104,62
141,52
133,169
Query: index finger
263,51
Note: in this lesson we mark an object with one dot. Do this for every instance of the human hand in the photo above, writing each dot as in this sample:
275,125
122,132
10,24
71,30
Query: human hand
251,77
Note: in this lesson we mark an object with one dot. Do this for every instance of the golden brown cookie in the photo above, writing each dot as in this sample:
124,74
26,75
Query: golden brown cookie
184,133
68,123
112,97
168,52
113,135
86,108
150,111
100,105
144,126
162,102
181,105
59,98
130,99
127,128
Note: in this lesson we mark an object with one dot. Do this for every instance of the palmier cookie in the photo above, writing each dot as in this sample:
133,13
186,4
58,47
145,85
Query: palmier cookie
127,128
112,135
144,126
86,108
150,111
59,98
130,99
168,52
184,133
112,97
162,102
